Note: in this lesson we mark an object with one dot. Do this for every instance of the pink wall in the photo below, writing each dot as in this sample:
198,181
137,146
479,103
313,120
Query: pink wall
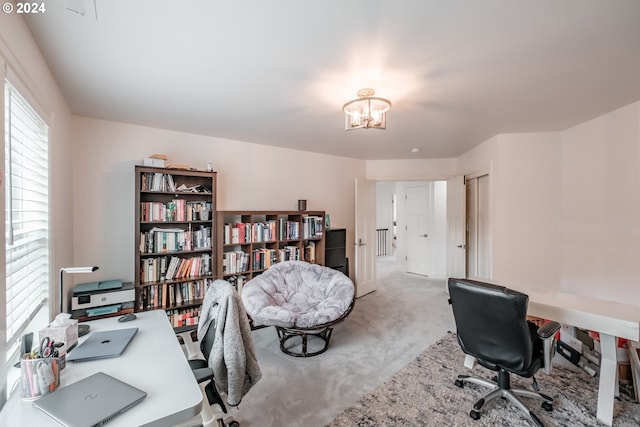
250,176
565,206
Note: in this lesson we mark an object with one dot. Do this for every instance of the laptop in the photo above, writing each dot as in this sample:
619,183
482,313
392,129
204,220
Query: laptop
92,401
102,345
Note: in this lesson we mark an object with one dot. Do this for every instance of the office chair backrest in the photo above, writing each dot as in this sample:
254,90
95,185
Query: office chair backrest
491,323
206,344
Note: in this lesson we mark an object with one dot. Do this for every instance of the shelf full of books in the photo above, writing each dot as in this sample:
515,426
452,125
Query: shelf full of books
175,240
252,241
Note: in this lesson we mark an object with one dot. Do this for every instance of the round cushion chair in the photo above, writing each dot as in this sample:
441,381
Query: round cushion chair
300,300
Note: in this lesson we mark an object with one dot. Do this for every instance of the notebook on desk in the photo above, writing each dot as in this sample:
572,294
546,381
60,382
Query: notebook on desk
92,401
102,344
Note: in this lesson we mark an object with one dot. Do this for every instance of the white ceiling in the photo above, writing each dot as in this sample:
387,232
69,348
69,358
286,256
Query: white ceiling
277,72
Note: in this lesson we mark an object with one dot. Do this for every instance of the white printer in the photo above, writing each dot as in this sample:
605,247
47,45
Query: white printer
100,298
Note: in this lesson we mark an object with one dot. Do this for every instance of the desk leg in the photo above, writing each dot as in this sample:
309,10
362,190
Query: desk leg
606,389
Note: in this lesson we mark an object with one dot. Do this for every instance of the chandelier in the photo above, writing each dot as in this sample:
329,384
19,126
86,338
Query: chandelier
366,112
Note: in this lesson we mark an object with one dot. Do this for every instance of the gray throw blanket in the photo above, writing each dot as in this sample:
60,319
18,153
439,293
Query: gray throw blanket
233,357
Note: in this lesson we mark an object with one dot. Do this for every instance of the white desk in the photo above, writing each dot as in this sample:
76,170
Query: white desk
610,319
153,362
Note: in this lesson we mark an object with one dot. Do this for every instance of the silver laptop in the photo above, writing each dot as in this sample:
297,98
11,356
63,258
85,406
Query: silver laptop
92,401
102,344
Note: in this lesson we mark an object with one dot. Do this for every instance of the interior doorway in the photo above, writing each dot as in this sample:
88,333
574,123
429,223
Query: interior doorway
478,235
413,214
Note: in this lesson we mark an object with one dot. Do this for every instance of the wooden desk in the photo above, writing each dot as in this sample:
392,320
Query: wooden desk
610,319
153,362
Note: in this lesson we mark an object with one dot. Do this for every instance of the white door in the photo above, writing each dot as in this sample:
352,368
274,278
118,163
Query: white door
365,253
456,228
477,212
419,207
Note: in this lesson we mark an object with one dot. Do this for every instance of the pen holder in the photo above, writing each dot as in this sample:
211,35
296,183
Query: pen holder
39,376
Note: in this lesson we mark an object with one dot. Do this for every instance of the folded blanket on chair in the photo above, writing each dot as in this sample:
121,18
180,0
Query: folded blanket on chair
233,357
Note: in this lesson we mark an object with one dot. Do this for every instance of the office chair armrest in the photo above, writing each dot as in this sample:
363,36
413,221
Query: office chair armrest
547,333
203,374
548,330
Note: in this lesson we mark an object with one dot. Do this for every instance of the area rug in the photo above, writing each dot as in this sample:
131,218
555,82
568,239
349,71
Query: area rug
423,394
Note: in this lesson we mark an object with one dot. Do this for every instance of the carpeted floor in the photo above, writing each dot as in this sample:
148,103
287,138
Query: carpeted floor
423,394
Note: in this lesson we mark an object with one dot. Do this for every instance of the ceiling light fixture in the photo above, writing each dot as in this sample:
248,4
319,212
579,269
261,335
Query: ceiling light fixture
366,112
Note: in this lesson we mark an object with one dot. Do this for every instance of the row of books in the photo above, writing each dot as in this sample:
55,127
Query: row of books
157,181
164,182
272,230
262,258
172,268
184,317
175,210
160,240
248,232
235,262
169,295
312,227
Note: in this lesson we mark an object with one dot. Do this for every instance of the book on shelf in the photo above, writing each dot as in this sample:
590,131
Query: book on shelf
310,252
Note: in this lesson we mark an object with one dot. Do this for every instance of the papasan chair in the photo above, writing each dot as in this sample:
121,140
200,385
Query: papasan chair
302,301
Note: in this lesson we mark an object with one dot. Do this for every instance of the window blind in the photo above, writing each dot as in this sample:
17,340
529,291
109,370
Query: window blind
27,212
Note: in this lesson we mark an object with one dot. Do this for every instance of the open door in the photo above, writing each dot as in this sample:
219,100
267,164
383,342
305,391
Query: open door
456,228
365,251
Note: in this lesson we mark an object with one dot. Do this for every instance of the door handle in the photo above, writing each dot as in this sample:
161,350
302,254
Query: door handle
463,246
360,243
425,235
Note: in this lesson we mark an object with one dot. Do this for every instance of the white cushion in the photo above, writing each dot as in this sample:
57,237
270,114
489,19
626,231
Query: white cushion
297,294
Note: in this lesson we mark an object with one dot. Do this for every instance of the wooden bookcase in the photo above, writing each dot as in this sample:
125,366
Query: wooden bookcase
249,242
175,241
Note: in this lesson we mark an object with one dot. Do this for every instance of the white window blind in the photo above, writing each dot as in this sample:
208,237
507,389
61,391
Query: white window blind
27,212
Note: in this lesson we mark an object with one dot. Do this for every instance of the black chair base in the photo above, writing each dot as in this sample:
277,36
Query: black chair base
285,334
502,388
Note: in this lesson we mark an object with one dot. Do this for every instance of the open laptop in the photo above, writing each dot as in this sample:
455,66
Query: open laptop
102,344
92,401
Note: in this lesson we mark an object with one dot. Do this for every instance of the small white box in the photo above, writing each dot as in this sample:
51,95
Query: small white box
153,162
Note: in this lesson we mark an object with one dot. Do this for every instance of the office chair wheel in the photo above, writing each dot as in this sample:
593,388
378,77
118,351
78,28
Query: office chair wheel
474,414
547,406
459,383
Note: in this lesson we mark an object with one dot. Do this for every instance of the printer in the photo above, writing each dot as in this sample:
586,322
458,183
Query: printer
102,298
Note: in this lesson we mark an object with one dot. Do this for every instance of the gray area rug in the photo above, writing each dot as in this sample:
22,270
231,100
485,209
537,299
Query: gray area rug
423,394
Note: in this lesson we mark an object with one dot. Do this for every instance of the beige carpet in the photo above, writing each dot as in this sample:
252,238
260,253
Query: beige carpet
423,394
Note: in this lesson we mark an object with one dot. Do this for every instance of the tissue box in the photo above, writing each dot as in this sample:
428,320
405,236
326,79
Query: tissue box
65,331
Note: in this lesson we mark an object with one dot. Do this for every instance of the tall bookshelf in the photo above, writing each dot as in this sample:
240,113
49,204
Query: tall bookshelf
249,242
175,241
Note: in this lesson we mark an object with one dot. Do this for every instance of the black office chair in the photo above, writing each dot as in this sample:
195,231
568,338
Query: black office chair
203,372
492,326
